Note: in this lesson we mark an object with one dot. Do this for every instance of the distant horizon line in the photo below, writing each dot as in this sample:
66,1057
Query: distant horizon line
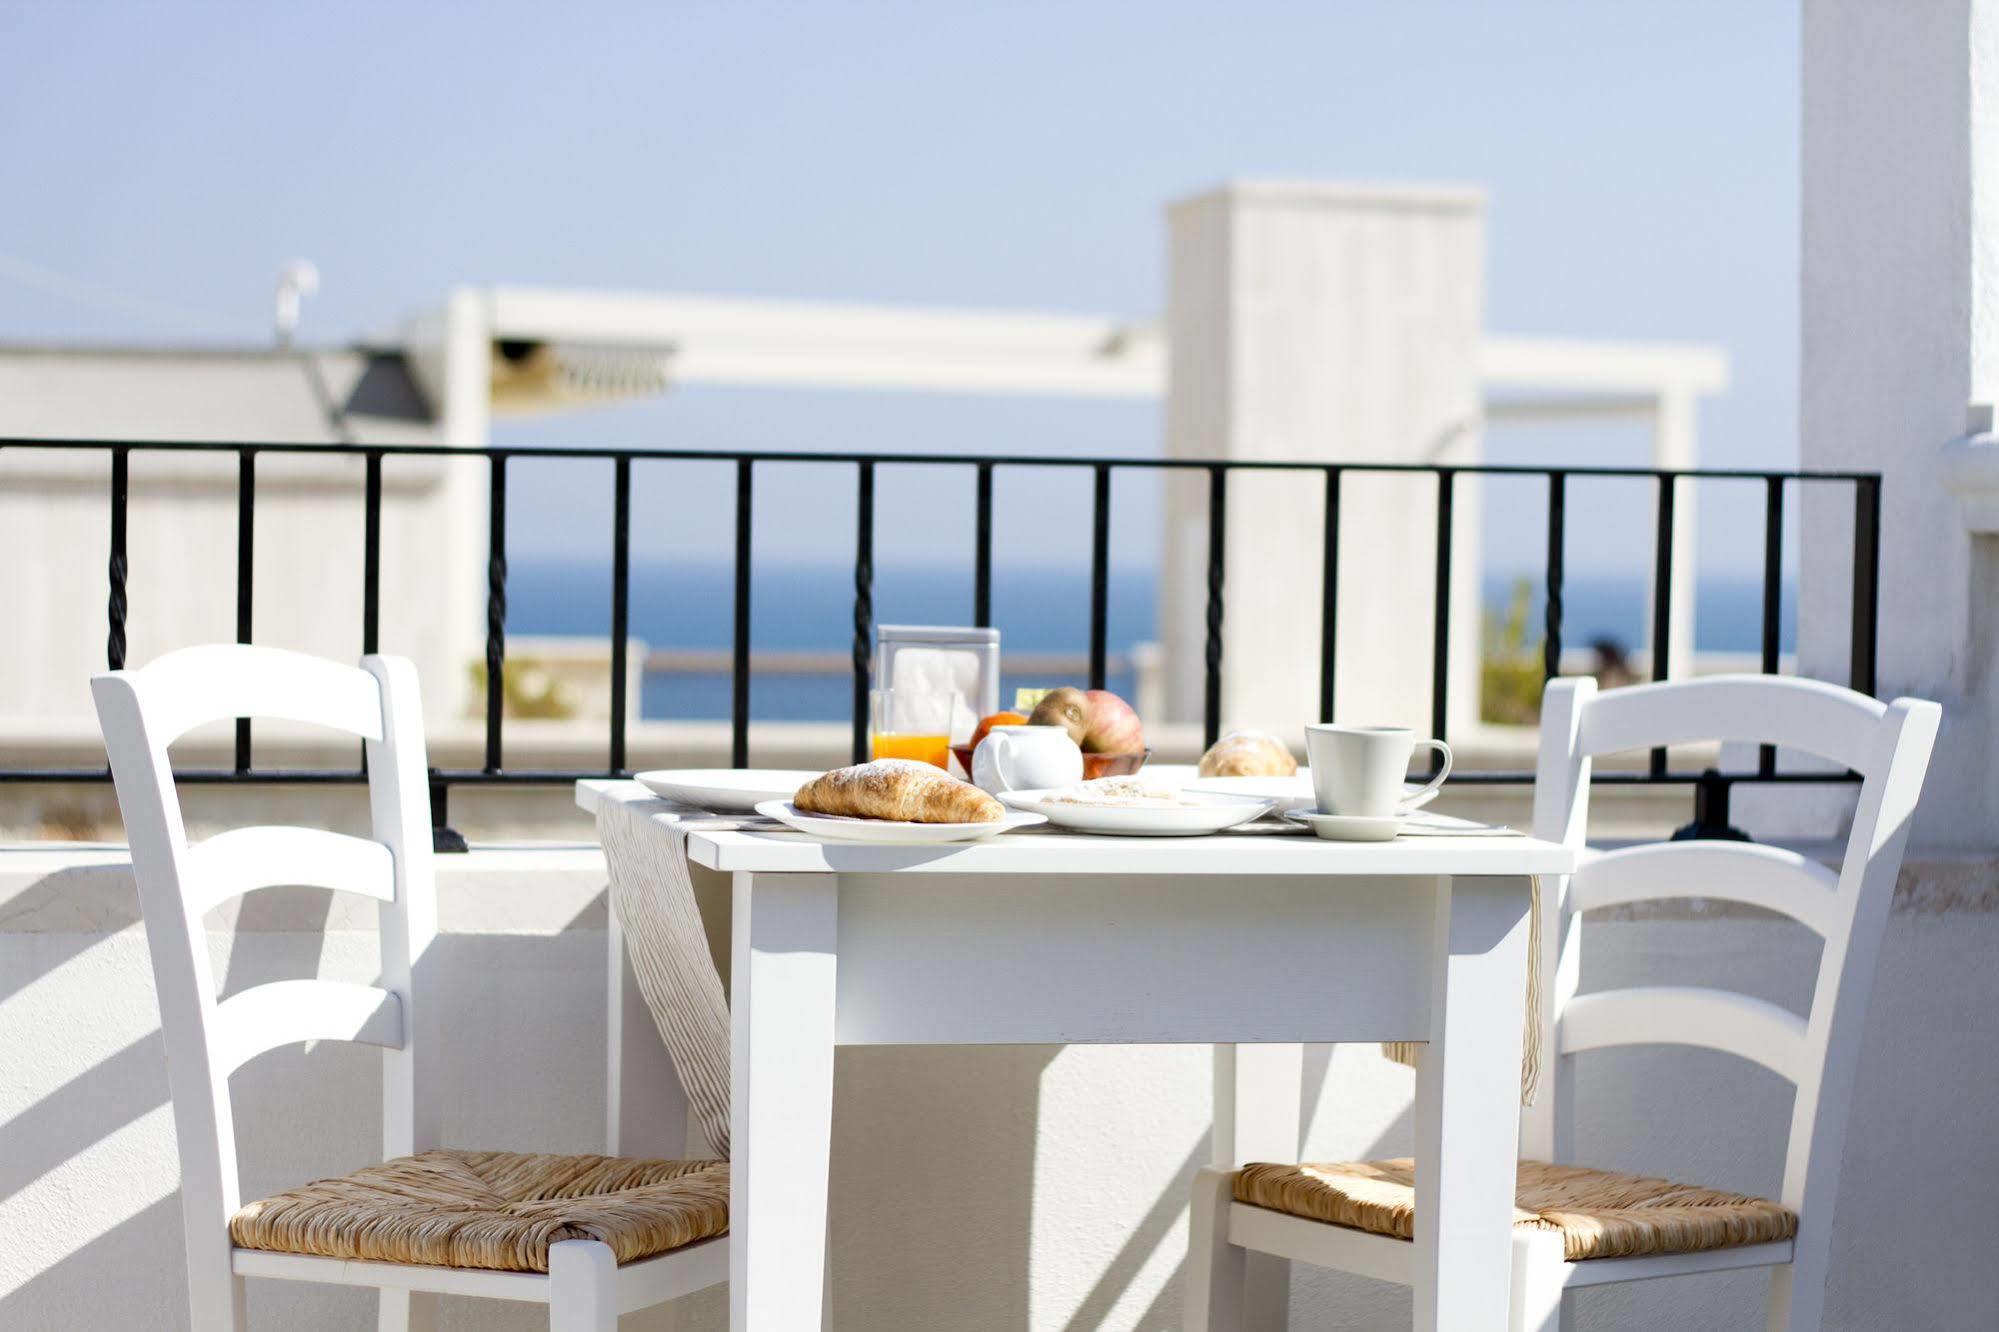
727,564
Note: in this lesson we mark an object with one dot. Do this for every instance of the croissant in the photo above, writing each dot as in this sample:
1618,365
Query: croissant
1248,754
899,789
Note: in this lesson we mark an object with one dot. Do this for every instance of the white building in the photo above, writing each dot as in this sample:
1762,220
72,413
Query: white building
182,534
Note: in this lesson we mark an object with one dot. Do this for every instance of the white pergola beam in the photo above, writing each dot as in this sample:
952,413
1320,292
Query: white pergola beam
837,345
787,343
1573,366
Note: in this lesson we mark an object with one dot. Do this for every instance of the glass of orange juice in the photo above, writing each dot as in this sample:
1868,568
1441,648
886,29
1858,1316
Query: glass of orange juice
911,724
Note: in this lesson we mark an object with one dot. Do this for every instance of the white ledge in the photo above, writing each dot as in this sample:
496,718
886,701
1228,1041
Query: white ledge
1970,469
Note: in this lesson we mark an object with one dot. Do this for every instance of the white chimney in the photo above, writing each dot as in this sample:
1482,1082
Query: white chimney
298,280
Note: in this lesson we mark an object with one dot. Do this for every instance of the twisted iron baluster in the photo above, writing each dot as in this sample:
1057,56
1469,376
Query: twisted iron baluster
1218,508
496,615
114,643
864,603
496,611
1551,643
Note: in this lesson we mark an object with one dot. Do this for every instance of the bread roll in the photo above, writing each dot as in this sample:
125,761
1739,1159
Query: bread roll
898,789
1248,754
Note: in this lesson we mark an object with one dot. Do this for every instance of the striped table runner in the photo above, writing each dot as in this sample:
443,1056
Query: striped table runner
652,896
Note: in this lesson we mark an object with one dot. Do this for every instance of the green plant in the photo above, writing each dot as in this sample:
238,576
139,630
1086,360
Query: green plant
1509,682
528,690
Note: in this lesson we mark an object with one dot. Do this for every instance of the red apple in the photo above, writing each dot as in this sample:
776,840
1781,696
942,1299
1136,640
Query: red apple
1113,726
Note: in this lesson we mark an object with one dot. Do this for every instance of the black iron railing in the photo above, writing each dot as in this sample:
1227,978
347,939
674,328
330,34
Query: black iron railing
1712,787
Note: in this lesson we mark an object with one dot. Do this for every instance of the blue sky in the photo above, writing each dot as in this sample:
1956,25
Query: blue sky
1641,163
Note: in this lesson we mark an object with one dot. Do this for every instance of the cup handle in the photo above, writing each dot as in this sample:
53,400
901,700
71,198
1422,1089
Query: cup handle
999,747
1436,781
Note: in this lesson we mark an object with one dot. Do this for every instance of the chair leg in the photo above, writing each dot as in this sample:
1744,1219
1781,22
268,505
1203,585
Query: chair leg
582,1287
214,1291
215,1301
1540,1302
1215,1267
218,1305
1797,1289
1797,1296
407,1311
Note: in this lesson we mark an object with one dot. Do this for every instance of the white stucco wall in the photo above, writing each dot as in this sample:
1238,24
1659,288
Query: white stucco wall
181,526
1899,339
1317,322
1037,1187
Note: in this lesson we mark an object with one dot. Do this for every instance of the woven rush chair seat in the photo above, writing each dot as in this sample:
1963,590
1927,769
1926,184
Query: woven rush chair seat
496,1210
1599,1213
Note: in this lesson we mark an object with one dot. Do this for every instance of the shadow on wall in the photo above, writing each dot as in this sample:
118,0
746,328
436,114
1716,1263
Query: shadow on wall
47,911
1167,1213
88,1165
1161,1231
144,1252
943,1195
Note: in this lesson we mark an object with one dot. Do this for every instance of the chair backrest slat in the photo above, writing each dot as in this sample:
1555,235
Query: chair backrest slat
242,860
1736,1024
141,712
1760,876
277,1013
224,681
1807,715
1887,745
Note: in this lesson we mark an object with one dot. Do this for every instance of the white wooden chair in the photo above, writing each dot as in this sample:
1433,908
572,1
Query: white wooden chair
1357,1216
546,1229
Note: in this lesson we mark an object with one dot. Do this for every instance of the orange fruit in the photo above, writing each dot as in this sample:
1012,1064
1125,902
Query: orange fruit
997,719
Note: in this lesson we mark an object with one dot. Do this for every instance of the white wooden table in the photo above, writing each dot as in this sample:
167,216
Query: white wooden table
1046,938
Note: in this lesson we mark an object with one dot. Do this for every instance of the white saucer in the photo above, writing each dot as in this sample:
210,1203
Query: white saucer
1349,827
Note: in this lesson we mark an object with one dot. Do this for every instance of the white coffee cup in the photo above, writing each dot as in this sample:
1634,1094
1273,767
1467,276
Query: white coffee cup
1359,770
1026,758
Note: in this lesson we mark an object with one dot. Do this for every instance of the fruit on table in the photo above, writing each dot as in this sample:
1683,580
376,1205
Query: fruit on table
1097,720
1114,727
986,724
1068,708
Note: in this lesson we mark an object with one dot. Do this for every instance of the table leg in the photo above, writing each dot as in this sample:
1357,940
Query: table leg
781,1108
1468,1105
1259,1092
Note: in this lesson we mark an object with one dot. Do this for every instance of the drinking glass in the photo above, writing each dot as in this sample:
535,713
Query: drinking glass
911,724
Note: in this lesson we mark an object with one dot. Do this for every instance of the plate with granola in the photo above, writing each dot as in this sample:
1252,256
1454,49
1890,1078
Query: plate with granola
1136,806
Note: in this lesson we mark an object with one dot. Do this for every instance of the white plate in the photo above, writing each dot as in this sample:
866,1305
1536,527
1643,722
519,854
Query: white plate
1295,792
1212,814
725,790
1348,827
843,828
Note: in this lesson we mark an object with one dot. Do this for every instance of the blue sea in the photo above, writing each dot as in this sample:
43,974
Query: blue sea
1036,610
